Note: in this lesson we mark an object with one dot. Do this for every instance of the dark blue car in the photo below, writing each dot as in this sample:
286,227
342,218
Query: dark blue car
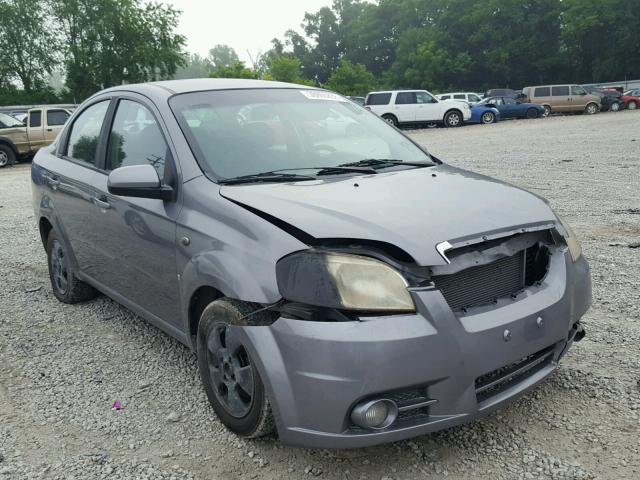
512,108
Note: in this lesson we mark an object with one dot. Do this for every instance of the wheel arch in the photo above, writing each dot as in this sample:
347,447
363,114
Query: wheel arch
45,227
8,142
198,301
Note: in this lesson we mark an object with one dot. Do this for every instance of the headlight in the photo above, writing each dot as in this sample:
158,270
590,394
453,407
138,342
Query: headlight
337,280
572,241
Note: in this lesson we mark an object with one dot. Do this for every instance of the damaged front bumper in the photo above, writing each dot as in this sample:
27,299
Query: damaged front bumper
316,372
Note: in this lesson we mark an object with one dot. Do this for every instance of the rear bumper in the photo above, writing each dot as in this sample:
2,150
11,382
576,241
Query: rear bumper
315,372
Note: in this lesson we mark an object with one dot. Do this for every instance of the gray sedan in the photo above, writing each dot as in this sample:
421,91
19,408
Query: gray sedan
338,283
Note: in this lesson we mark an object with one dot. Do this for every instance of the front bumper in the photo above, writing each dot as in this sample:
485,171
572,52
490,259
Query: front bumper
315,372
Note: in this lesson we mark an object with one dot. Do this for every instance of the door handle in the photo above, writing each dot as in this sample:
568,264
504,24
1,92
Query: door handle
53,181
49,129
101,202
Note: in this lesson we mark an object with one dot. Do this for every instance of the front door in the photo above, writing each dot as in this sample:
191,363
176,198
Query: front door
35,129
136,236
509,108
561,98
578,98
405,107
54,122
428,108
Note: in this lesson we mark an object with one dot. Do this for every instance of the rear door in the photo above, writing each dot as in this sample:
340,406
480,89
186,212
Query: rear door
55,119
405,107
136,236
35,129
561,98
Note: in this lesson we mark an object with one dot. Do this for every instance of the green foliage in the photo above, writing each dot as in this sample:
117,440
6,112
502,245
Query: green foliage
222,56
351,79
194,67
286,69
236,70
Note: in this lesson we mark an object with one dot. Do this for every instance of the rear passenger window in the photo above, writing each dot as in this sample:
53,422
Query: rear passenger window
35,118
405,98
460,97
56,117
561,91
136,139
542,92
85,133
445,97
379,99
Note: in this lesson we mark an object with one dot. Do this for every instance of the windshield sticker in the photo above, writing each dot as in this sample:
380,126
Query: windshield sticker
323,95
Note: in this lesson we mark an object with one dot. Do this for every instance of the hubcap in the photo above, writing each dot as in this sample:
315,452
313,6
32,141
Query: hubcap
615,107
591,109
4,159
454,120
389,120
59,267
547,111
487,118
632,106
230,371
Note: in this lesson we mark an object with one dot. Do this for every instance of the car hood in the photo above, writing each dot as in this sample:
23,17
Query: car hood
411,209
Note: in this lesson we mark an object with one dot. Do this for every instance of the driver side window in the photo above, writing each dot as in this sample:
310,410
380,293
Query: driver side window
424,97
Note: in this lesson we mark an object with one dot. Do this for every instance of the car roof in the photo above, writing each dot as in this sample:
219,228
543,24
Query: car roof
398,91
173,87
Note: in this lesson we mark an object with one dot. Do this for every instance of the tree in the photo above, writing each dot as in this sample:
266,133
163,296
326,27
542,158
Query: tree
351,79
28,45
110,42
236,70
195,66
286,69
222,56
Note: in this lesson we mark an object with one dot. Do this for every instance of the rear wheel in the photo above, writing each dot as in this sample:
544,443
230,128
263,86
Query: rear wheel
532,113
632,105
591,108
487,117
547,111
7,156
453,119
615,107
387,117
65,284
229,374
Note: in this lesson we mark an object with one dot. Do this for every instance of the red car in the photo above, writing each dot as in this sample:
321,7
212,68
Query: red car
631,99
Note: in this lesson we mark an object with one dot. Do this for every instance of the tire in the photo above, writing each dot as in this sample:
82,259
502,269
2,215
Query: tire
615,107
487,117
591,109
7,156
532,113
391,119
547,111
453,119
221,358
632,105
66,286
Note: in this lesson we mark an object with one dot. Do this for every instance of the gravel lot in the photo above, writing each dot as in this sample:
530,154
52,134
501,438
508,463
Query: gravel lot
62,367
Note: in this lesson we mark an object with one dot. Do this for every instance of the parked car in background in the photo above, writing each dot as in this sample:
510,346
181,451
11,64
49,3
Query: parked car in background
631,99
358,100
412,107
610,99
512,108
564,98
484,114
469,97
346,291
21,140
504,92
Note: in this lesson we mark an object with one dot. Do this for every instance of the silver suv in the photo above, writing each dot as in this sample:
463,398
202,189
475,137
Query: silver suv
338,283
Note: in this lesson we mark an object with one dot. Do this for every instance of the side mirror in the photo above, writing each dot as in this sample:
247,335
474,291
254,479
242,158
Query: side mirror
140,181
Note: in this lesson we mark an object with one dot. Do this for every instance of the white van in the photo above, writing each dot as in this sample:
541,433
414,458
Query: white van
404,107
470,97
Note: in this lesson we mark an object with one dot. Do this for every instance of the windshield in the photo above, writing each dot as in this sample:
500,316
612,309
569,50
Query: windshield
244,132
8,121
488,100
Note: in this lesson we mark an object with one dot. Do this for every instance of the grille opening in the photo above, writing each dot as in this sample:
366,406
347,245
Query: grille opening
485,284
501,379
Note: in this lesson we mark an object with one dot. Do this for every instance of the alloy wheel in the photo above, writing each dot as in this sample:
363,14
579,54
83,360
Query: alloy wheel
4,158
230,371
632,106
59,267
453,120
615,107
488,117
591,109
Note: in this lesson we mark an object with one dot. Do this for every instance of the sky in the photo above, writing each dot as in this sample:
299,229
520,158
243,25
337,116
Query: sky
245,25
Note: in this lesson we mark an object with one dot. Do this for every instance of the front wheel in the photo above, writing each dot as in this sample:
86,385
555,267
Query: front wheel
229,374
391,119
7,156
615,107
532,113
453,119
487,117
632,106
547,111
591,109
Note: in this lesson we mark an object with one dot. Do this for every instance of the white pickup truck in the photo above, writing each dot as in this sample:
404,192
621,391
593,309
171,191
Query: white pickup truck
22,140
406,107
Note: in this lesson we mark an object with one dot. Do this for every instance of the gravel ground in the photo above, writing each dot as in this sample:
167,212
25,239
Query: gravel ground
62,367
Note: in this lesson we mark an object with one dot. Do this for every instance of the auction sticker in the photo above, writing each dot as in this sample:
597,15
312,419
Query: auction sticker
323,95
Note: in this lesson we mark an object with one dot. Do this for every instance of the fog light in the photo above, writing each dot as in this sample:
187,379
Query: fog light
375,414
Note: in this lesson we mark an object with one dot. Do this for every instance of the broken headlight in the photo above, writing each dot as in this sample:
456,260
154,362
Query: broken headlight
575,249
343,281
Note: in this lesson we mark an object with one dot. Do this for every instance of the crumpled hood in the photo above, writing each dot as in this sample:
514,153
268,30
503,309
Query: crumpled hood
411,209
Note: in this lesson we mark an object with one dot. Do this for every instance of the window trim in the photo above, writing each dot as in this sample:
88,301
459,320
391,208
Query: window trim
52,110
41,124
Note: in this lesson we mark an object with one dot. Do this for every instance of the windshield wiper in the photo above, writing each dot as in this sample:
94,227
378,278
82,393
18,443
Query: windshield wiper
381,162
273,176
